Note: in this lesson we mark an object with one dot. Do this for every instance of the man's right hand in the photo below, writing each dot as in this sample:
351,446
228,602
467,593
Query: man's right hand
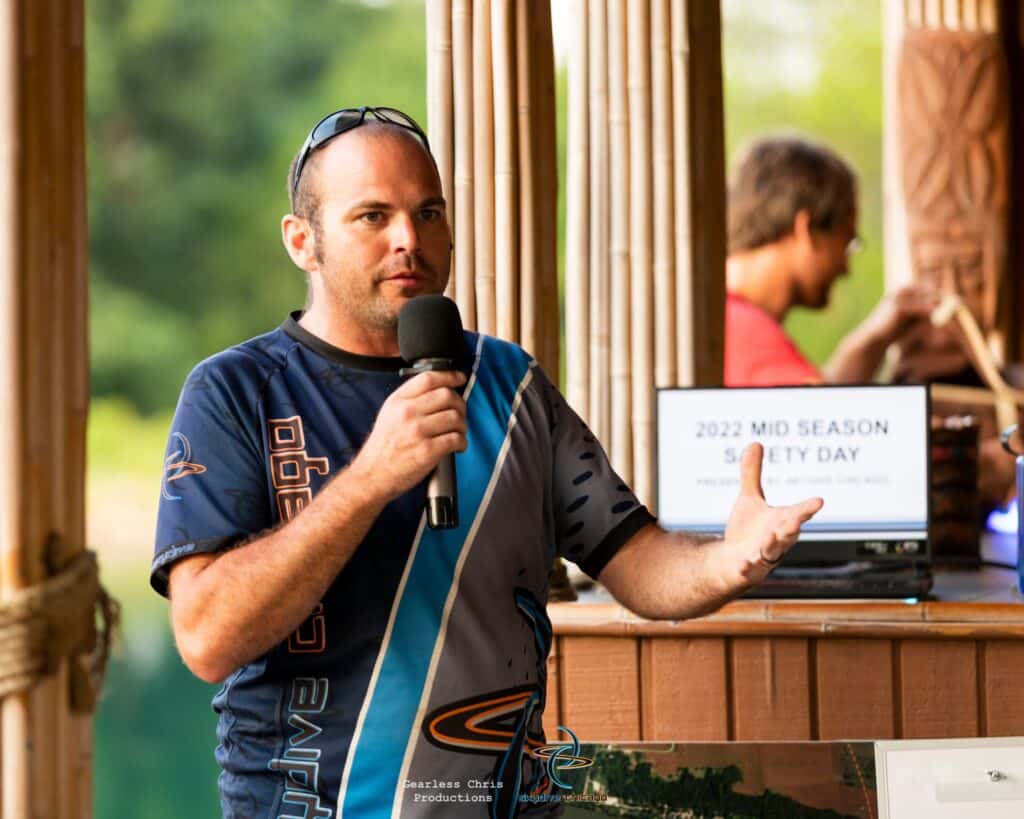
898,310
420,423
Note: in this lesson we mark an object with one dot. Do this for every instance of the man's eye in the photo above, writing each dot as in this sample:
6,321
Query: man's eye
373,217
430,214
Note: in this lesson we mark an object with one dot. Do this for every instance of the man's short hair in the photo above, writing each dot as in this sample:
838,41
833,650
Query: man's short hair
305,199
777,177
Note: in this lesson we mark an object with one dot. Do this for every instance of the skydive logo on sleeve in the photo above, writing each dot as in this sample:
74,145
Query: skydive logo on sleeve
291,468
291,471
178,464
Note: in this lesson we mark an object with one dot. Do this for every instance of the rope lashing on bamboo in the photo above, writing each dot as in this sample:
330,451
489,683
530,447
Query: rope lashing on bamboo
56,619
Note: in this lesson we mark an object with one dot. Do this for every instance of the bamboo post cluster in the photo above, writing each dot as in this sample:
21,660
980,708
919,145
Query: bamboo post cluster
491,121
45,751
645,271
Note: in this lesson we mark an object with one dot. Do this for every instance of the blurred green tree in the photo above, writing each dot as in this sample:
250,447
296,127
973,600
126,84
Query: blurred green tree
194,113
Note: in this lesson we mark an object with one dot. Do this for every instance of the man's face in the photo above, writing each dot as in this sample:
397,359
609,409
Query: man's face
383,236
822,260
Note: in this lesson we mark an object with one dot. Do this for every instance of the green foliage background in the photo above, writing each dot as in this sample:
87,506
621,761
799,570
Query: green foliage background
194,112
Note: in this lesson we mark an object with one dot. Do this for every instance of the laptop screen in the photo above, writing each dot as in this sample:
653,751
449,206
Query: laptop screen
864,449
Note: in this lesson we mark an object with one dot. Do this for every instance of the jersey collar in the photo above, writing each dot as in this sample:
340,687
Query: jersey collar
296,331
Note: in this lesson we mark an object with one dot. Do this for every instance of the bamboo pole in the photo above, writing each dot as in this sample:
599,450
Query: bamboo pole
80,731
462,70
664,206
47,381
618,103
439,103
577,211
15,725
970,15
528,284
75,731
641,277
681,184
914,13
706,178
952,14
896,250
43,370
542,90
483,169
988,15
599,416
506,262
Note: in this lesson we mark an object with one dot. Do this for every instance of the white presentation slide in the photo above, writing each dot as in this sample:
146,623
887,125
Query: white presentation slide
863,449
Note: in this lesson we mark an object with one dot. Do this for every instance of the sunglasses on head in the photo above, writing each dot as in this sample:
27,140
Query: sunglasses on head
345,120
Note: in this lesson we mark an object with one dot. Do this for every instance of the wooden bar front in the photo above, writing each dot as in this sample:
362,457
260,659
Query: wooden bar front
761,670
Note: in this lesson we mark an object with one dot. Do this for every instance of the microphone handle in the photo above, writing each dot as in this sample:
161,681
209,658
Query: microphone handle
442,488
442,496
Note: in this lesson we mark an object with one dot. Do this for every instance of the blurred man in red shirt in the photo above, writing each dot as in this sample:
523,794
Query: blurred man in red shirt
792,229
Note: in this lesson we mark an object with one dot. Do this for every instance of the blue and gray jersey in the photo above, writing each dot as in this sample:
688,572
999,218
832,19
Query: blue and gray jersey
416,686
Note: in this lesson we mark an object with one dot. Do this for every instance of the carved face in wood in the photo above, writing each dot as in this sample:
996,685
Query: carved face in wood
953,265
954,122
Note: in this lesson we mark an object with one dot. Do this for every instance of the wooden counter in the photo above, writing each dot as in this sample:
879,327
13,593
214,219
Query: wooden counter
950,666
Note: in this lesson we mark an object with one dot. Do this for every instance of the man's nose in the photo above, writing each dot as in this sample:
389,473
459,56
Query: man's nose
404,235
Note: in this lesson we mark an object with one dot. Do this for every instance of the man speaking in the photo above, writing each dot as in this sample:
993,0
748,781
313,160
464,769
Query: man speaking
373,665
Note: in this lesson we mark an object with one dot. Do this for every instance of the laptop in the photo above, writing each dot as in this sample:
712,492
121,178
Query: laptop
864,449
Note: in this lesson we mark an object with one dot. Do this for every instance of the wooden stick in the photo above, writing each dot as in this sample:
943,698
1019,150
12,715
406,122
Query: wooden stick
681,184
439,103
1007,405
1007,398
618,99
641,274
577,213
664,205
528,285
462,70
545,151
506,245
599,416
958,394
483,169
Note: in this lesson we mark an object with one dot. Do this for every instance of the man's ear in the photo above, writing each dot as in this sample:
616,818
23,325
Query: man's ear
802,226
300,242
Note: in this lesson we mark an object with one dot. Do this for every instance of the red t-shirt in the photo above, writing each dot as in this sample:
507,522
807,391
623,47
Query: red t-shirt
758,353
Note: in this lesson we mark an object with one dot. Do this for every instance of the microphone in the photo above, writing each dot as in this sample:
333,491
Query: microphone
430,338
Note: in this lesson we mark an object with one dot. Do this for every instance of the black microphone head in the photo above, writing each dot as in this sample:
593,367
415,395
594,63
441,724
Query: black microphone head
431,327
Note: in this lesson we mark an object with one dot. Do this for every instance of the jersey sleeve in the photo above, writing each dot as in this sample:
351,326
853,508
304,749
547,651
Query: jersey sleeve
595,512
214,488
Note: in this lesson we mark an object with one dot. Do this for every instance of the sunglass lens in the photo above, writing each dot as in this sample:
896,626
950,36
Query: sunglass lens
397,117
337,123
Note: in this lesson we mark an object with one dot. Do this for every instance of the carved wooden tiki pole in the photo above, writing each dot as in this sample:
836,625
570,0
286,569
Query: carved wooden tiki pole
954,114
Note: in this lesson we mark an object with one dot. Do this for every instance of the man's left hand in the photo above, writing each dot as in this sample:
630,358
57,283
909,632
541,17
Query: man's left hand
758,535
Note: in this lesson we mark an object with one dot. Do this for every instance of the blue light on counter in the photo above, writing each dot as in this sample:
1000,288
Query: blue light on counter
1004,520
